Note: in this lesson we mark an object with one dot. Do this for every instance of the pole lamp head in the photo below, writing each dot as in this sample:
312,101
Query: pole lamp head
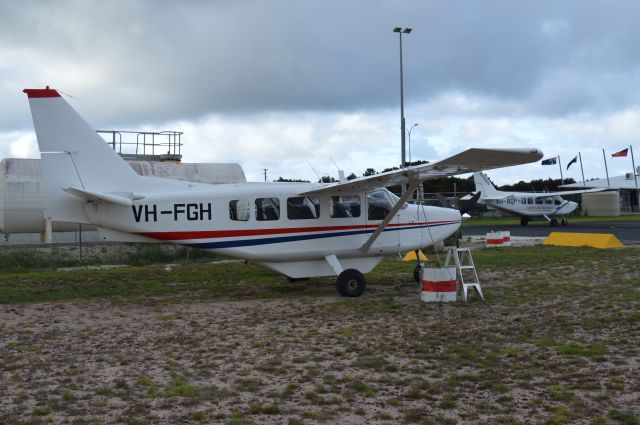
397,29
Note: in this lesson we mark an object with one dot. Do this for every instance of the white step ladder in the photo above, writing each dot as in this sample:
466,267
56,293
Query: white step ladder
463,261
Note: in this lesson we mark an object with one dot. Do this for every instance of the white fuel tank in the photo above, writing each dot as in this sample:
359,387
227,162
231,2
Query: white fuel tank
22,204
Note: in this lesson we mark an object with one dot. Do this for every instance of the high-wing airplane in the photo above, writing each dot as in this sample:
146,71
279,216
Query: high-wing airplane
299,229
527,205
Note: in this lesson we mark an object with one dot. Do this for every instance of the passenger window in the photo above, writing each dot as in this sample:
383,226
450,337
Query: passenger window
379,205
539,201
239,209
303,207
267,209
557,202
344,206
530,201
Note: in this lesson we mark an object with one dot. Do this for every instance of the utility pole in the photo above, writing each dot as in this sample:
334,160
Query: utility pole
403,163
264,171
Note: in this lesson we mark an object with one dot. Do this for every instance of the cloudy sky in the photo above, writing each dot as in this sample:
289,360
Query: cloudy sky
288,85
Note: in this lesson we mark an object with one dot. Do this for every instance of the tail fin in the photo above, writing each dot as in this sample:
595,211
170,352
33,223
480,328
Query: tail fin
484,185
73,156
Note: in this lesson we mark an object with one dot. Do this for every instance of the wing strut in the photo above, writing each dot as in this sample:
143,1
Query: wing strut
413,185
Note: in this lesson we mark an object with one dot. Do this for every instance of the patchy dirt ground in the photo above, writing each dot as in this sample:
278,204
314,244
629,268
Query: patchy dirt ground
556,341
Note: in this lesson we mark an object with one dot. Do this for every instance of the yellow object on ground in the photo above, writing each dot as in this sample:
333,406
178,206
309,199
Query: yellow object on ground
411,256
594,240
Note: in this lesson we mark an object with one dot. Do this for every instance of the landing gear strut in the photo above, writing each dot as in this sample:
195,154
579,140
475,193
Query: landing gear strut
350,283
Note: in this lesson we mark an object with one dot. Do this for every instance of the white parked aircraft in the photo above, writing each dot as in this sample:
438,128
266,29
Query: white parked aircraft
527,205
299,229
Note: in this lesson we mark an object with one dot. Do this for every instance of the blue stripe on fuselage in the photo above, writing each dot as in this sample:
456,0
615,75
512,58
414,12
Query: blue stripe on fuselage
295,238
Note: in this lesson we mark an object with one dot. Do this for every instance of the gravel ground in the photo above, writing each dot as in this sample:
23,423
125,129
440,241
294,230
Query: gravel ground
554,344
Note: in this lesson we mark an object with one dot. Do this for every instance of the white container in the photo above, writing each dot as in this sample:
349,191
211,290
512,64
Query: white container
439,284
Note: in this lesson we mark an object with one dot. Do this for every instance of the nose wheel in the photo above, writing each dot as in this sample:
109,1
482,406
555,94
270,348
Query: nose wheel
417,273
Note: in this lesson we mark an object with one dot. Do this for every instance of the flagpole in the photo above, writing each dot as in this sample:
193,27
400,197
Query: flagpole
606,170
633,163
581,170
560,166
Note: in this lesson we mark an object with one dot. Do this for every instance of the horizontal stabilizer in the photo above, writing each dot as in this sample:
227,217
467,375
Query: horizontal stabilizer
120,198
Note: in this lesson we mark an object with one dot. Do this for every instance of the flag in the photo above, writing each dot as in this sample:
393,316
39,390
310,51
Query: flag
623,152
572,161
549,161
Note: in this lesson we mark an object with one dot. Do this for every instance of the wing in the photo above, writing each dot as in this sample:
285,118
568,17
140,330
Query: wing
465,162
568,192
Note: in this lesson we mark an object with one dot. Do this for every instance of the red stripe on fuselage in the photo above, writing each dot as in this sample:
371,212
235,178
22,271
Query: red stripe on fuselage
212,234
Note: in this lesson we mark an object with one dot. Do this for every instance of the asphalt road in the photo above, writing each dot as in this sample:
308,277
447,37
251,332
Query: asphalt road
628,231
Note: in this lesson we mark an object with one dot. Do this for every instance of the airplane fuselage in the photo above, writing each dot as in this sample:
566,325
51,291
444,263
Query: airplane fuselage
272,225
529,206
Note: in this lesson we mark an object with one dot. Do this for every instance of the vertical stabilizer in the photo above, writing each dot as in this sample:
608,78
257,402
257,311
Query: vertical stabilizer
484,185
73,155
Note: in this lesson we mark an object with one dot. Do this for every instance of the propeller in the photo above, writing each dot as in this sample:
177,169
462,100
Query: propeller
465,205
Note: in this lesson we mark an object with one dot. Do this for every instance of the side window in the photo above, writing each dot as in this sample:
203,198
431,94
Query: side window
267,209
239,209
530,201
303,207
378,204
539,201
344,206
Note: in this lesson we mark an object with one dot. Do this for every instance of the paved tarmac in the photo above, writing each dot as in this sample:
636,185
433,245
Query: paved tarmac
628,231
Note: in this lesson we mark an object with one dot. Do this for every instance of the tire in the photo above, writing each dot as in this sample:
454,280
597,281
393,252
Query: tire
350,283
524,221
553,222
416,274
564,221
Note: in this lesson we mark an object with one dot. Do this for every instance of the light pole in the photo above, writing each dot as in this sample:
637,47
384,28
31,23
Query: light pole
401,31
412,127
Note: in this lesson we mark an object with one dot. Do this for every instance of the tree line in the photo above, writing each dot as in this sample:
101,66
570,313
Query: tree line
449,185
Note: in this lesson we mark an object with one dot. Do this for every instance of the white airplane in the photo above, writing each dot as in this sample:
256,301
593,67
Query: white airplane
527,205
299,229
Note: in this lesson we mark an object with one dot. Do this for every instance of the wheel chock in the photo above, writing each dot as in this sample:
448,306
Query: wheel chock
411,256
593,240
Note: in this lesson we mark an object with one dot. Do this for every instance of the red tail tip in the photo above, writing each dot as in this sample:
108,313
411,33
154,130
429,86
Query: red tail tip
46,92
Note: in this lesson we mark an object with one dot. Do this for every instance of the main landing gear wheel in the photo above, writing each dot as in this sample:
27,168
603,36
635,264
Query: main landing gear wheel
564,221
553,222
350,283
524,221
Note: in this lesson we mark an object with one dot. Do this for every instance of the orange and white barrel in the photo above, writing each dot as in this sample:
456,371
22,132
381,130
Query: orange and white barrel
439,284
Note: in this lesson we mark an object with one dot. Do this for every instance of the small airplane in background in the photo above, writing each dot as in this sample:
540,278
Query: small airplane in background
297,229
527,205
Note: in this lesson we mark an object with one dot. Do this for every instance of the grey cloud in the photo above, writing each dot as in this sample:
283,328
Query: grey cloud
172,60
